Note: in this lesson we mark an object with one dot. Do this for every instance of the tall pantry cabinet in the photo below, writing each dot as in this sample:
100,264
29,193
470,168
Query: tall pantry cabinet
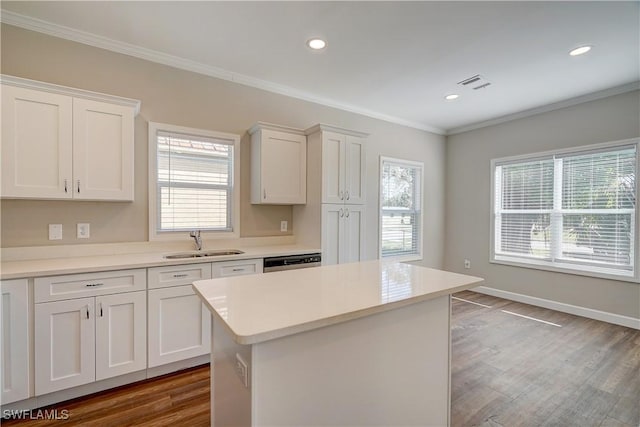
335,194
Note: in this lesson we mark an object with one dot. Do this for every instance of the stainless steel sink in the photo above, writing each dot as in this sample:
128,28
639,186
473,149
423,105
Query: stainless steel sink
203,254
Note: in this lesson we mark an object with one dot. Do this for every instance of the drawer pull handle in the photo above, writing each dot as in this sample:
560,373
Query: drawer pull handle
94,285
238,269
179,276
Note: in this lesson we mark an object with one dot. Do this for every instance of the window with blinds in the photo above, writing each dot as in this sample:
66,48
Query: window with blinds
400,209
568,210
194,180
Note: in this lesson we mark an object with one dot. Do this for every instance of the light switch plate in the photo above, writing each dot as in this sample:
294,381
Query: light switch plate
55,231
284,225
84,231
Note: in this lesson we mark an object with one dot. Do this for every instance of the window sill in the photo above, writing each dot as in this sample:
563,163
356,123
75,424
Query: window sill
602,273
402,258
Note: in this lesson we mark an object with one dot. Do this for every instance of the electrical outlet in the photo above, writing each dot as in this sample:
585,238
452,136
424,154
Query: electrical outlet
55,231
83,231
284,225
242,370
467,263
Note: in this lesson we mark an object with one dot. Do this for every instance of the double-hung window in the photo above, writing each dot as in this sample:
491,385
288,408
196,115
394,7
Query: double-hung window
193,182
571,211
400,209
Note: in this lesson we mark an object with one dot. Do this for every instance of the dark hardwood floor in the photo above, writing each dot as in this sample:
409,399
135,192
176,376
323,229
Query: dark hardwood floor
507,371
512,371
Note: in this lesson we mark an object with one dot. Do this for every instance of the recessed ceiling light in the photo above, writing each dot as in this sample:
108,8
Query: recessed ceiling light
580,50
316,44
451,97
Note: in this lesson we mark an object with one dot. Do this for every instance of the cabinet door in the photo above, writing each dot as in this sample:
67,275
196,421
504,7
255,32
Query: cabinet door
353,233
121,334
179,325
15,309
354,171
102,150
64,344
36,144
333,164
332,234
283,167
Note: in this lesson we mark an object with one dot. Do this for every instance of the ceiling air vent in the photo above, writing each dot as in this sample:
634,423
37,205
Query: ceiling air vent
475,82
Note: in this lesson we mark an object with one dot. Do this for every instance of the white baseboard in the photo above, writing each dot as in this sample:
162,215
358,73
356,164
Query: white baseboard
616,319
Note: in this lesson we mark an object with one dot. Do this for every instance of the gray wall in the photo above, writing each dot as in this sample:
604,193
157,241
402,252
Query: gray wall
468,198
170,95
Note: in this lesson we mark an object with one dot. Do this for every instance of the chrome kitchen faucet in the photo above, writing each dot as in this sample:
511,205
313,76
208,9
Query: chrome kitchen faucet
198,240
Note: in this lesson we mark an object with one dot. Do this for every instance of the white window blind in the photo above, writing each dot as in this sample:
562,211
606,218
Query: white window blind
573,210
194,182
400,209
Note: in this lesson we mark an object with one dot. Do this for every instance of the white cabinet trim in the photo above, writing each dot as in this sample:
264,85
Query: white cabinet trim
16,327
69,91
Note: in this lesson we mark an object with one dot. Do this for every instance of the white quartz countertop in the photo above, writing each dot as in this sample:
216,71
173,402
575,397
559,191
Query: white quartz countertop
262,307
119,261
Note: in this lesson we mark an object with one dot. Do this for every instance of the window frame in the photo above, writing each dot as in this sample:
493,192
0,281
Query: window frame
567,266
154,235
411,163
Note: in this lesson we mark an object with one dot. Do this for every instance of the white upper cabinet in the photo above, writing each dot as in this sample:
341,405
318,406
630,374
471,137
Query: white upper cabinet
343,164
36,144
278,165
64,143
102,150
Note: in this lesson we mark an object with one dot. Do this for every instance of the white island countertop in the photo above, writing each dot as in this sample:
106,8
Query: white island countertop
257,308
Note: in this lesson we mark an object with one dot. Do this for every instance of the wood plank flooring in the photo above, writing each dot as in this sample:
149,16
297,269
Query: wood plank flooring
180,399
507,371
512,371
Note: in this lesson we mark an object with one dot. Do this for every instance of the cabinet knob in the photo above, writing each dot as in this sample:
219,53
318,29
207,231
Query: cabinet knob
264,193
78,186
87,311
66,188
347,193
341,213
341,194
346,213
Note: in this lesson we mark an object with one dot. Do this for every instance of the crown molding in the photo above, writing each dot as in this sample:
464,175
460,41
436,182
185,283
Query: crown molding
6,79
329,128
67,33
617,90
270,126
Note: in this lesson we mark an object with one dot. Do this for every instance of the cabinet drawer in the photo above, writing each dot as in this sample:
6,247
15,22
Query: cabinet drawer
58,288
175,275
236,268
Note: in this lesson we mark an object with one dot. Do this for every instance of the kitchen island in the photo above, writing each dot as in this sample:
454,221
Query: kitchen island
364,343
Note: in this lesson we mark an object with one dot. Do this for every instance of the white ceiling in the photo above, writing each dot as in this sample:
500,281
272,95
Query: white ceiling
391,60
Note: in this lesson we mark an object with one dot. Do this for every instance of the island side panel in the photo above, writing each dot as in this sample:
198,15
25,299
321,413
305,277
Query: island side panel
391,368
230,398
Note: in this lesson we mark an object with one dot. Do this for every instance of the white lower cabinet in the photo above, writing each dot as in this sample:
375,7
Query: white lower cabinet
15,312
179,323
342,233
82,340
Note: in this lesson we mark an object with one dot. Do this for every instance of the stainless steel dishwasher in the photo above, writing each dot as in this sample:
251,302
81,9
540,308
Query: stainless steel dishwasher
291,262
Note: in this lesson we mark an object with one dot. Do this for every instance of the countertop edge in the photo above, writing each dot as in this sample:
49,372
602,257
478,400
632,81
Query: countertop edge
333,320
96,263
